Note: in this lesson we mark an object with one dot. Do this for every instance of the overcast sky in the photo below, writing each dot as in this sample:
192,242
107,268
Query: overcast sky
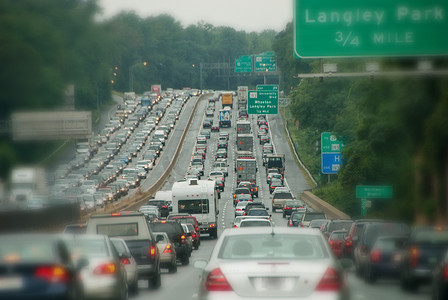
248,15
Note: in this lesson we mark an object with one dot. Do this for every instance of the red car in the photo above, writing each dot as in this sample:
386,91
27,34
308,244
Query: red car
337,242
194,236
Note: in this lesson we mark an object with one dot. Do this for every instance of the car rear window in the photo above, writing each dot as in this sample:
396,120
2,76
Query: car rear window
255,223
88,247
431,237
310,217
339,226
171,229
282,196
24,251
121,229
268,247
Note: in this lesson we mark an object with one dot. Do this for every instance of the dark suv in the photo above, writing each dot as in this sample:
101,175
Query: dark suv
163,206
177,236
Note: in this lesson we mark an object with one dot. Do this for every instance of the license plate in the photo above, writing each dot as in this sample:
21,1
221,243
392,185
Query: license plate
11,283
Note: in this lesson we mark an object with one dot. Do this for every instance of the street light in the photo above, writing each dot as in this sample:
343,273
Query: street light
131,74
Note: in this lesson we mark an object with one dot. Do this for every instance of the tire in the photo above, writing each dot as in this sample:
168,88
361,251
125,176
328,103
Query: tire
173,267
284,215
185,259
274,209
156,281
123,293
133,288
369,276
407,284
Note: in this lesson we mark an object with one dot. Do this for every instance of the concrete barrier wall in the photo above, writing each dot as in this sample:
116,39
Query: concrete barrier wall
318,204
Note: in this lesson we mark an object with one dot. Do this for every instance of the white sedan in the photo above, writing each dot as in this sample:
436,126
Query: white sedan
272,263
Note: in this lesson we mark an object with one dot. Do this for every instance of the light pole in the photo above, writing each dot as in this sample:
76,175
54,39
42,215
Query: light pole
131,74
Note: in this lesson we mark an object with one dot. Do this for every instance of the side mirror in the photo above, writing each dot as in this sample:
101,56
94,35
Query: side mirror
200,264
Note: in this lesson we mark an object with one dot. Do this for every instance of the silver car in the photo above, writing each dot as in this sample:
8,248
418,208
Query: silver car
272,263
101,270
130,265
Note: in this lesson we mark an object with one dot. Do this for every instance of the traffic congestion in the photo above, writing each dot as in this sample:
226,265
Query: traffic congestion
188,238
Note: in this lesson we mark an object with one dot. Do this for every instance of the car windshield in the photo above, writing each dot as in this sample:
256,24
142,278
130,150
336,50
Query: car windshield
268,247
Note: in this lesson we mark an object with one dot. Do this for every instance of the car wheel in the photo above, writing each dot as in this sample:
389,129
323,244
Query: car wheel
407,284
173,267
123,293
369,276
156,281
185,260
284,215
133,289
273,209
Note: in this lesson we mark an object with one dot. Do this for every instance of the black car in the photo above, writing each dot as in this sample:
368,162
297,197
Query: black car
177,235
207,123
384,257
424,249
37,266
368,238
222,145
251,205
440,279
163,206
296,217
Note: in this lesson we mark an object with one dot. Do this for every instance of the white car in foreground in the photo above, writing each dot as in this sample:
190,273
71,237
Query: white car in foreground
272,263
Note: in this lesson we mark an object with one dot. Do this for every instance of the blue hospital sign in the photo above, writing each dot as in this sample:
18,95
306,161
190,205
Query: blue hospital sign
331,163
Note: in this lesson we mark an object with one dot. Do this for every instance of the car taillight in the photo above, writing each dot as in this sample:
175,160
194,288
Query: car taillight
194,235
331,281
445,272
105,269
216,281
287,207
167,249
52,274
413,256
125,261
182,239
164,206
152,251
290,223
375,256
197,229
348,243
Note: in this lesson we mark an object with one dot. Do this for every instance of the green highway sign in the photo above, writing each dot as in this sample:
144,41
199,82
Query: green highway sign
371,191
265,62
353,28
267,87
243,64
262,102
330,143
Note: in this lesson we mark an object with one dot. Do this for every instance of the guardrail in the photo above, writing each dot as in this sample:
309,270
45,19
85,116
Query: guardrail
320,205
